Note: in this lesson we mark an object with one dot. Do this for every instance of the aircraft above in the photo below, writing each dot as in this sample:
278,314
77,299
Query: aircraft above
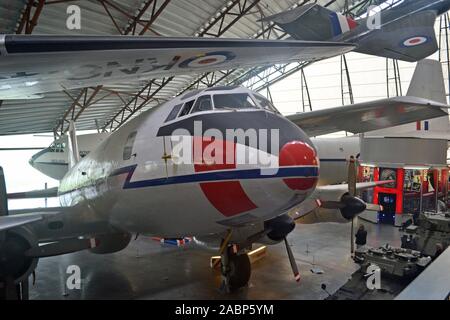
32,65
396,29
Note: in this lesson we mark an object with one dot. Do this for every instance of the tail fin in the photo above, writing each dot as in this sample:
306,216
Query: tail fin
312,22
3,195
428,81
74,155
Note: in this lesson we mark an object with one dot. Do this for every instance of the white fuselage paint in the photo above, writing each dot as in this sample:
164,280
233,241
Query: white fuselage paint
333,154
95,189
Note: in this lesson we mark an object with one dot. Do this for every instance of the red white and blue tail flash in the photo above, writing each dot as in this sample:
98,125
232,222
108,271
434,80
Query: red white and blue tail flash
341,24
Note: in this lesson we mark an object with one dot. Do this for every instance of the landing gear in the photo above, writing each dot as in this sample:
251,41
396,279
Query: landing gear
11,291
236,269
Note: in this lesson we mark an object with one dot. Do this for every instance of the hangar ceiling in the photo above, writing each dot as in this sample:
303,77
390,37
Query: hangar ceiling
108,107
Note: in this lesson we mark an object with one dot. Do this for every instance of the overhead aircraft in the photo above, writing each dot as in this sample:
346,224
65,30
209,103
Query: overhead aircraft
397,29
135,183
32,65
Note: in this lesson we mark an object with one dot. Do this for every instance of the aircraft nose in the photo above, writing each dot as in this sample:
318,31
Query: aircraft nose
35,156
302,156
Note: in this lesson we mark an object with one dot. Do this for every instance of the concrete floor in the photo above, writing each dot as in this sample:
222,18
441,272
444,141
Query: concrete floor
146,270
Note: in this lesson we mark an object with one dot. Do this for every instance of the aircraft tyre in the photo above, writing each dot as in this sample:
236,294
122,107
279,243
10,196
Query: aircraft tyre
238,271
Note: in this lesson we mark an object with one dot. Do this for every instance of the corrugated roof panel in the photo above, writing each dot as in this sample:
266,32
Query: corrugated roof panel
179,18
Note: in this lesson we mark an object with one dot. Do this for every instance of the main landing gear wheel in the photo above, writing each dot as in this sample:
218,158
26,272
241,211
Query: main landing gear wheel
236,270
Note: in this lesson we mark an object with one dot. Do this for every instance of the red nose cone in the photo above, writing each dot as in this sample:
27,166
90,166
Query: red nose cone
298,153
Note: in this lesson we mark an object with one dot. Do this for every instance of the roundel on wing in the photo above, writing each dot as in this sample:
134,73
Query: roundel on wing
415,41
208,59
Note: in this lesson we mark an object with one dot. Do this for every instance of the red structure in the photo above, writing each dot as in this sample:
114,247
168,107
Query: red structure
413,188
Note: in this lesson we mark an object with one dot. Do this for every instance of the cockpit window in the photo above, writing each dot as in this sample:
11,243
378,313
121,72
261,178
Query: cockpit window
233,101
173,114
128,149
57,147
266,104
203,103
187,107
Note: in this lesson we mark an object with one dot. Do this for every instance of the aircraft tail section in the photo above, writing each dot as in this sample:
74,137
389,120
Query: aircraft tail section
74,155
313,22
428,82
3,195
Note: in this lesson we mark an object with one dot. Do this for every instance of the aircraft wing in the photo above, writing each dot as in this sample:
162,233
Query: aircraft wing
322,194
17,220
410,39
33,65
44,193
369,116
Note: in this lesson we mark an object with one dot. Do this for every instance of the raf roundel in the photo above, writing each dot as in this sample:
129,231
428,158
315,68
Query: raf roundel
415,41
208,59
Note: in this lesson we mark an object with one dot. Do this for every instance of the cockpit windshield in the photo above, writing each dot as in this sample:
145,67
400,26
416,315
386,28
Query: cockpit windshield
234,101
266,104
57,147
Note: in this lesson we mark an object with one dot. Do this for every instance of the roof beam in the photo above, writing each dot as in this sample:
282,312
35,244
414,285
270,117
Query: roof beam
280,71
62,125
215,77
30,16
235,8
82,101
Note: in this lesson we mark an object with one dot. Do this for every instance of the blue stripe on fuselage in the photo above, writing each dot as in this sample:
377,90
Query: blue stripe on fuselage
216,176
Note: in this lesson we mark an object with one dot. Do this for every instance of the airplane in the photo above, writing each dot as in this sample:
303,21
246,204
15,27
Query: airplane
176,162
53,161
406,32
396,29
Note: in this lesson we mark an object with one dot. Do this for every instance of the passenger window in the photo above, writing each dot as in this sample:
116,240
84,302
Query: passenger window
173,114
202,104
187,107
128,149
233,101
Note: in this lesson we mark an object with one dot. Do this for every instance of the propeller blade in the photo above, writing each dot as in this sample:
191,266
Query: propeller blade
352,235
352,176
332,204
292,260
374,207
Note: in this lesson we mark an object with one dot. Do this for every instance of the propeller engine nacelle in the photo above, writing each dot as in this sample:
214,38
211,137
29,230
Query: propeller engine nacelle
111,243
277,229
14,263
353,206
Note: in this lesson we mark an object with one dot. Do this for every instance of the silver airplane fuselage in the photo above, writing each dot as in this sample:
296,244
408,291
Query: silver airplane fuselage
132,182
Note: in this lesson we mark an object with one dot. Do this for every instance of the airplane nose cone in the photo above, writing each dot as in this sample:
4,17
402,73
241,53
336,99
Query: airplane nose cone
300,154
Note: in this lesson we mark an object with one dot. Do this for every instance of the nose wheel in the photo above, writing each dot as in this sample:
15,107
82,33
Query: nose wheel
236,270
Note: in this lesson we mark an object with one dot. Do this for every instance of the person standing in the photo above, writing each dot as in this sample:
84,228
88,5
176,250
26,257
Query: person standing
361,237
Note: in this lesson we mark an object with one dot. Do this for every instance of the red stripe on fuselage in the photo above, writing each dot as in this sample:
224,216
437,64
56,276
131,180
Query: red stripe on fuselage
229,198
